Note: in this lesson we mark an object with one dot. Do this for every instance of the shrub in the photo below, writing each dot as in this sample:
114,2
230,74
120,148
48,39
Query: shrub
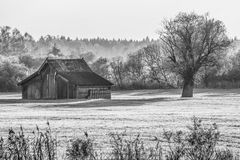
81,149
175,144
43,144
10,74
126,149
225,155
18,146
199,143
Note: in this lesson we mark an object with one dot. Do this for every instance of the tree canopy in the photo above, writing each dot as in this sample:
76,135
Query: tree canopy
192,41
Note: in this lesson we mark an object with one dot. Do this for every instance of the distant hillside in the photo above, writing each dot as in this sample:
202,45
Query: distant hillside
15,43
74,48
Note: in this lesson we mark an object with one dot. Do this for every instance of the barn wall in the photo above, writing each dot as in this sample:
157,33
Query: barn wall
52,74
48,83
24,92
61,88
32,89
72,91
92,92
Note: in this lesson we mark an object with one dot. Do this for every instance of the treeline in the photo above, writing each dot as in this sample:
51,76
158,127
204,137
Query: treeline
14,42
21,54
129,64
149,68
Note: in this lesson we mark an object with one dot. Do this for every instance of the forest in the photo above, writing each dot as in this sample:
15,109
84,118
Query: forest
129,64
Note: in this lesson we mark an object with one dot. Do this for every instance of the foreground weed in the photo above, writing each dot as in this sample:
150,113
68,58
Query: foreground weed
198,143
81,149
43,145
18,146
124,148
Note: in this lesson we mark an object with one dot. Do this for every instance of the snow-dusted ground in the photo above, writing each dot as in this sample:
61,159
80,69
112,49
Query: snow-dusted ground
147,112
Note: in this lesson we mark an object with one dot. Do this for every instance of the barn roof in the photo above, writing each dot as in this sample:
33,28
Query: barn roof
28,78
76,71
67,65
85,78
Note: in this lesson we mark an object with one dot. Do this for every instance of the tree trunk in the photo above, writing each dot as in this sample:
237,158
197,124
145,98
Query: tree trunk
188,88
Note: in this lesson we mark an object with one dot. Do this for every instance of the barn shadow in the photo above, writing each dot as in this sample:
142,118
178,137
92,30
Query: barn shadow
23,101
174,92
120,98
109,103
148,92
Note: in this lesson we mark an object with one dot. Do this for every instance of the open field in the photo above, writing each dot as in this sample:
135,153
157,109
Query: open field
146,111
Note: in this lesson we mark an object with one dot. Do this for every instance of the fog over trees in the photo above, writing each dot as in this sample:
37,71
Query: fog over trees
192,50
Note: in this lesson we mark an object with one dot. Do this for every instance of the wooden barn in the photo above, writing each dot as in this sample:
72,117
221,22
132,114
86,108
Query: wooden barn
65,79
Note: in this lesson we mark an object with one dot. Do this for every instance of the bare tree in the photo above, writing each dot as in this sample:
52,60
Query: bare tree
11,41
155,63
54,51
117,70
101,67
135,67
192,41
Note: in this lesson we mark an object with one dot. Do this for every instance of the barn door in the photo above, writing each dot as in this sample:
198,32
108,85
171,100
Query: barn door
62,89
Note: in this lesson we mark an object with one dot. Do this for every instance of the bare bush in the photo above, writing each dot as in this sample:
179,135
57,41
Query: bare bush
81,149
124,148
199,143
18,146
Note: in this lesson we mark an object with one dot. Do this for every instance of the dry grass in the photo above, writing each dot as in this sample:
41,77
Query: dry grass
146,112
199,142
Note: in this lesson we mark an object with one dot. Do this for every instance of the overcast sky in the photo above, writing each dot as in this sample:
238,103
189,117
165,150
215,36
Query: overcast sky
133,19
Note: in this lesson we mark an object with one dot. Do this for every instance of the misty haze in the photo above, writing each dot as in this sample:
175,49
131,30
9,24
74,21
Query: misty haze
119,80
